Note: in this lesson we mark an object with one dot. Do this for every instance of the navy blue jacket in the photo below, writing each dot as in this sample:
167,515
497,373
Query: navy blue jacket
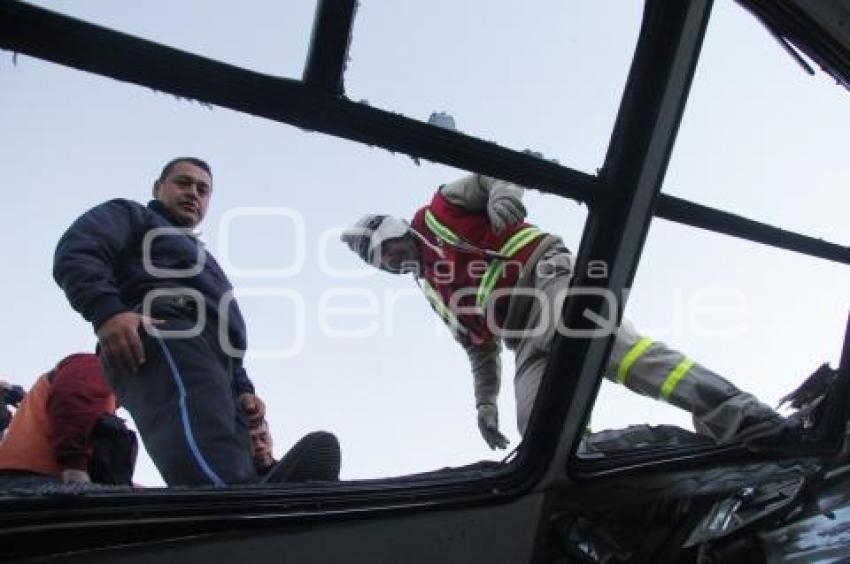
99,264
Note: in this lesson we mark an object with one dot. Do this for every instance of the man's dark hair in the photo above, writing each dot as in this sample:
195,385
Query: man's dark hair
166,170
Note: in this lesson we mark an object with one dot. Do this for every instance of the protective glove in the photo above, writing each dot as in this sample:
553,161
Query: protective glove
504,210
488,424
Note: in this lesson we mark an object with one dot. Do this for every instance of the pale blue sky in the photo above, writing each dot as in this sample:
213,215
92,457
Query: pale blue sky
759,137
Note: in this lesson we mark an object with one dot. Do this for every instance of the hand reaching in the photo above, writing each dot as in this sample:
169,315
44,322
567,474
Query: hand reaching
488,424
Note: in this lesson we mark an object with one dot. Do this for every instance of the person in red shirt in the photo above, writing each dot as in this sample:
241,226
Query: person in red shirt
49,436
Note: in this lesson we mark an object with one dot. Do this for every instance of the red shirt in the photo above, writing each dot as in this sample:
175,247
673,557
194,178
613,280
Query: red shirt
50,429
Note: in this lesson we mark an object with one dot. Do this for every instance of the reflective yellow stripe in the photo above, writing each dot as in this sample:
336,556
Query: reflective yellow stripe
494,270
437,300
634,353
519,240
440,230
674,378
488,282
442,309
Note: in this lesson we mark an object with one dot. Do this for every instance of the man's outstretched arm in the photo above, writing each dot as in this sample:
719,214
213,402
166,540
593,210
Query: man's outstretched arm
486,363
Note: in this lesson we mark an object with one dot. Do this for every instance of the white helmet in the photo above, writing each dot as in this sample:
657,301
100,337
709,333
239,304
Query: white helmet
370,232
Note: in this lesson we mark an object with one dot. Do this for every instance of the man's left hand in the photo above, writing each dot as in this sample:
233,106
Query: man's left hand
488,424
253,408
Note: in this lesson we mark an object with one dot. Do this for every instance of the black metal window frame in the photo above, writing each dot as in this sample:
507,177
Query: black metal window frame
622,199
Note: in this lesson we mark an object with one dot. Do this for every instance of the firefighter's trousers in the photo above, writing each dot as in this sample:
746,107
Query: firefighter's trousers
719,409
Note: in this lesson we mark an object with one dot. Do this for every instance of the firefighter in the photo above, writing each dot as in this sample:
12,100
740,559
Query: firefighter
493,278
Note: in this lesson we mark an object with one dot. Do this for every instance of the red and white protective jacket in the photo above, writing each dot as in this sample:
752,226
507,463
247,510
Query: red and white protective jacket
468,268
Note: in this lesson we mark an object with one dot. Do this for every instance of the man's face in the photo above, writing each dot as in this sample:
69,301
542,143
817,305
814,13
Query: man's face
262,448
185,193
400,255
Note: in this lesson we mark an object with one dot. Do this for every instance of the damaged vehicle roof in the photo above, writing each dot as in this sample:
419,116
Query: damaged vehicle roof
641,494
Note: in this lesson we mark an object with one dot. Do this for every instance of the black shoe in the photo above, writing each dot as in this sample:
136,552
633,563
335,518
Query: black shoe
315,457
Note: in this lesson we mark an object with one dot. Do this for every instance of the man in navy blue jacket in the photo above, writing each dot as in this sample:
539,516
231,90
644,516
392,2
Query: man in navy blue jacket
171,335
